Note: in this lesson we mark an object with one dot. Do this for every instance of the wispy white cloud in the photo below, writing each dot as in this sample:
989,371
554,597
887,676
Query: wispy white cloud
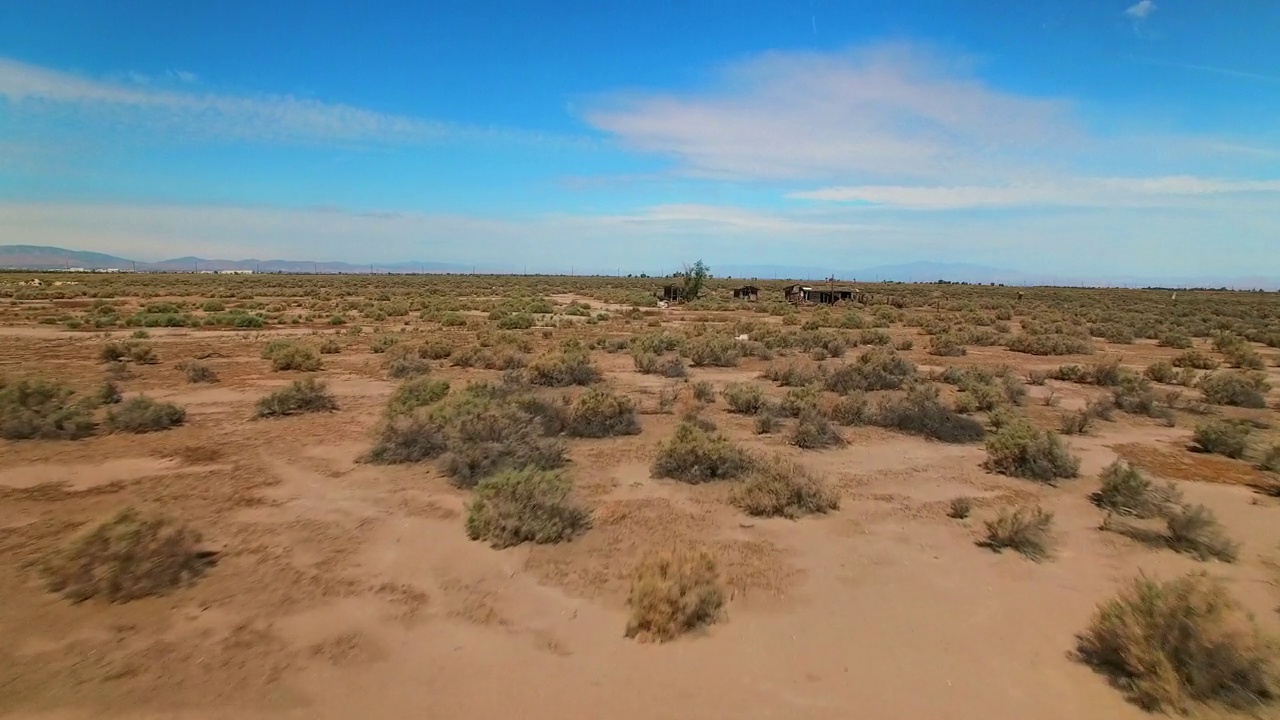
186,114
888,111
1228,72
1141,9
185,76
1083,192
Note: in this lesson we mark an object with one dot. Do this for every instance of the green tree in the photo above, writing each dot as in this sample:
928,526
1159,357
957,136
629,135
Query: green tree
694,278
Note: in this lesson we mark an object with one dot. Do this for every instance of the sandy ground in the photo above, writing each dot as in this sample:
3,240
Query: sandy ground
346,590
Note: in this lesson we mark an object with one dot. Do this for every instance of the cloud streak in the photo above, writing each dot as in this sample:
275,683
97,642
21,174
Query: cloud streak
892,111
1141,9
1084,192
51,95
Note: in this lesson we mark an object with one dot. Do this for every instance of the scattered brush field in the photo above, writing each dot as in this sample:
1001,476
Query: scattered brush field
359,496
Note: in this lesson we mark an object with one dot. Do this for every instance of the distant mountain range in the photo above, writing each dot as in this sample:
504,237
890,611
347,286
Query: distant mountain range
34,257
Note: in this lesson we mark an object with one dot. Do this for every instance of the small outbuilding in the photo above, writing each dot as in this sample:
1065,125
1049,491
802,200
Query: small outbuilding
747,292
672,293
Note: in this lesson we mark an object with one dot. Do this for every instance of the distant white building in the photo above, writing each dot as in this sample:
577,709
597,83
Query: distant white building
235,272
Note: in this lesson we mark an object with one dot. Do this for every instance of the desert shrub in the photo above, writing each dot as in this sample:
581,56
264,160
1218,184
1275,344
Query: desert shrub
783,488
1271,460
1028,530
959,508
1070,373
198,372
1197,359
800,400
793,373
489,430
292,356
714,350
904,344
435,350
1050,344
1193,530
1019,449
108,394
330,346
1170,644
1076,423
920,412
767,423
814,431
453,319
32,409
875,369
141,414
383,343
1037,377
1238,389
1174,340
874,336
601,413
561,369
1127,492
852,409
1113,333
1161,372
1222,437
516,321
947,345
416,393
132,555
524,505
673,593
647,363
404,363
1245,357
694,455
301,396
131,350
703,391
743,398
407,437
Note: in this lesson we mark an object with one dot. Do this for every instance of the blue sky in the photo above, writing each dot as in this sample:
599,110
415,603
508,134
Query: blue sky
1082,137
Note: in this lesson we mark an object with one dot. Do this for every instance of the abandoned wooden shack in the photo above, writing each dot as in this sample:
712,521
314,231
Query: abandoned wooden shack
820,295
747,292
672,293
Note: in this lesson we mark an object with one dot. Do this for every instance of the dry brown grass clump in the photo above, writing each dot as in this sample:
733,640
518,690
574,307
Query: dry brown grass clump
1170,645
959,508
130,556
602,413
782,487
674,593
141,414
1026,530
524,505
301,396
39,409
1019,449
694,455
